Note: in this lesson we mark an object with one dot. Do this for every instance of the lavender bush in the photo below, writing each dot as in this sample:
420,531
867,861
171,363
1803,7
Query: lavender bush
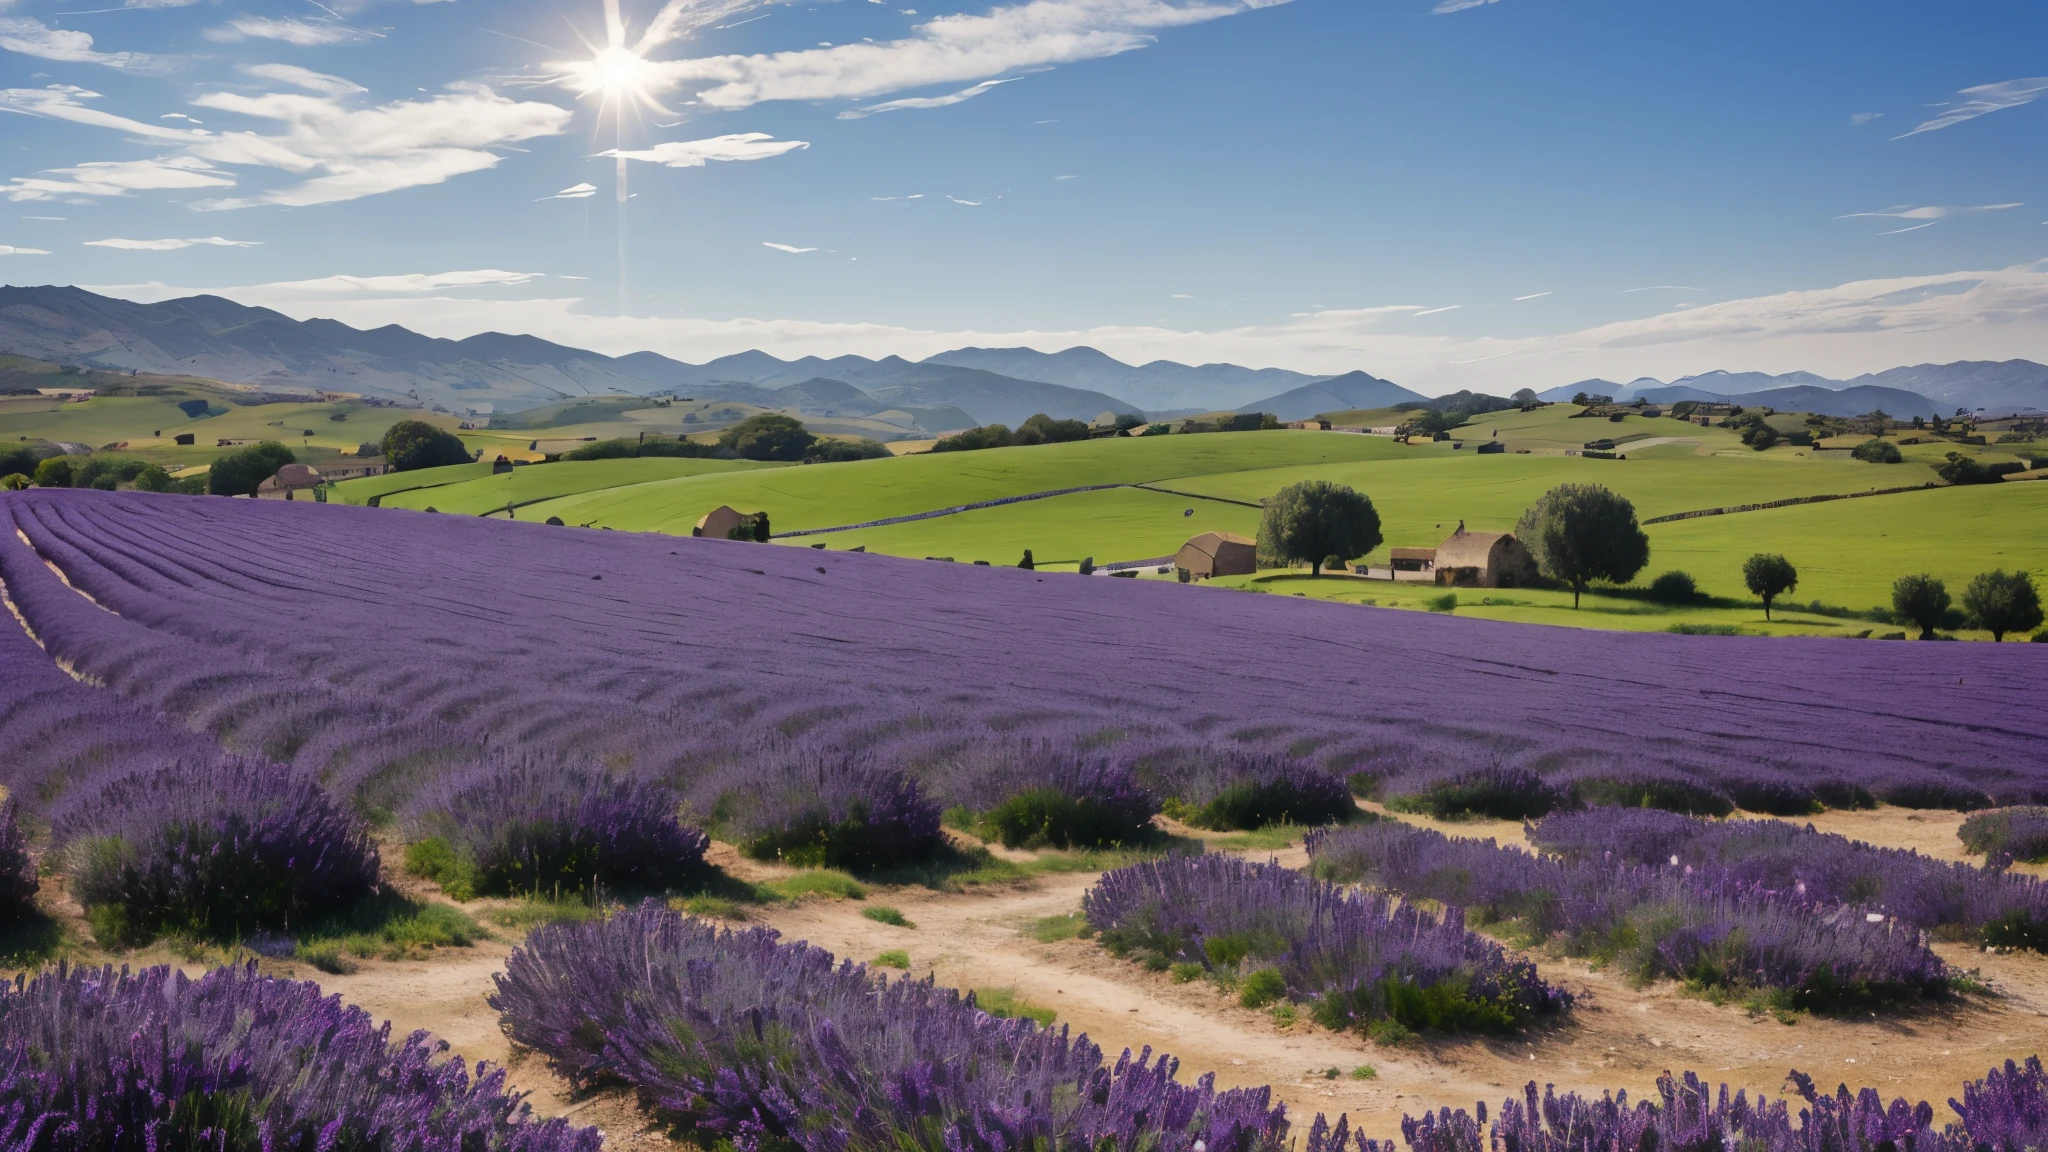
821,807
2007,1111
1226,787
1049,794
1359,957
736,1036
1502,791
2004,835
1952,899
533,824
221,848
236,1061
1706,926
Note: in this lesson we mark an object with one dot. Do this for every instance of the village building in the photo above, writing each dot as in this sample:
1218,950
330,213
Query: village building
500,465
1309,425
292,482
718,523
1413,564
1217,554
1483,560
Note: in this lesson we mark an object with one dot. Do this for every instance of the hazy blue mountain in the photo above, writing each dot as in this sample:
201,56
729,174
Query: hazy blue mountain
1161,384
1336,394
1807,398
1970,384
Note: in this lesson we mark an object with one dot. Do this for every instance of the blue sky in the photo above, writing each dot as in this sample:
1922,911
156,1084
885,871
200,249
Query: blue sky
1521,191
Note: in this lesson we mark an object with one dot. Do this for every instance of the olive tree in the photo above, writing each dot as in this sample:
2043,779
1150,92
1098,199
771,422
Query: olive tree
1315,519
1922,600
1767,575
1578,533
411,444
2003,602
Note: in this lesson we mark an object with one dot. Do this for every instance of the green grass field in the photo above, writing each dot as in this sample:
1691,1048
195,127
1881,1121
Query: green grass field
532,483
1118,524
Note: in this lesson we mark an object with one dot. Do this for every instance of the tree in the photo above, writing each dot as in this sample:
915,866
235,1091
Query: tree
1760,436
1314,519
975,439
2003,602
1921,600
761,532
845,451
768,436
1043,429
1581,399
1027,563
1579,533
1767,575
54,472
239,473
1961,469
1526,397
1877,451
411,444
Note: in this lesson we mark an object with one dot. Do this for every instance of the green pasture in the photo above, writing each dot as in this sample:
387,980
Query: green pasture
487,494
369,488
825,495
1116,524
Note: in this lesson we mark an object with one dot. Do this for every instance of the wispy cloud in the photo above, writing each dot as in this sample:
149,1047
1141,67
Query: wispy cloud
34,38
1445,7
573,192
1983,99
697,153
67,102
1858,119
1662,288
1932,214
171,245
291,30
945,101
305,78
912,196
410,282
11,250
785,247
1531,296
972,203
945,50
1434,311
117,178
1914,228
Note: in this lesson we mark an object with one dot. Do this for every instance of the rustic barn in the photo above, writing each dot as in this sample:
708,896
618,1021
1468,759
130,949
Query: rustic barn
719,522
1217,554
292,482
1415,564
1483,560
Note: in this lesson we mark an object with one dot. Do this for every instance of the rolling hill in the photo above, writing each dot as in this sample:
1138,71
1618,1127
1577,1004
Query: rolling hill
1336,394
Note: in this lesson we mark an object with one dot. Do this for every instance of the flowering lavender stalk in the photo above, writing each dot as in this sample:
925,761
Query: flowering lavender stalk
736,1036
2005,835
94,1058
221,847
1047,793
1230,787
531,824
1358,956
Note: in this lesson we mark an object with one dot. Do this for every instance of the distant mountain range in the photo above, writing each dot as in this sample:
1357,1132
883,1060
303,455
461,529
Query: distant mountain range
1921,390
496,373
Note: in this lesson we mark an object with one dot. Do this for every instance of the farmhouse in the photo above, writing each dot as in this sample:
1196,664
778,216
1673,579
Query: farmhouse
718,523
1417,564
292,482
1217,554
1483,560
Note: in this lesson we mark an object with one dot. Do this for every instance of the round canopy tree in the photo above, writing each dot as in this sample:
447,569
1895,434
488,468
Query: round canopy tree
768,436
239,473
2003,602
1768,575
411,444
1922,600
1316,519
1578,533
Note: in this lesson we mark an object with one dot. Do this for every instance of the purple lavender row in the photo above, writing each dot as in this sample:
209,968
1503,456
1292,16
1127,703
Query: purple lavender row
2006,1111
94,1058
1705,927
2008,835
736,1036
877,653
2000,909
1357,957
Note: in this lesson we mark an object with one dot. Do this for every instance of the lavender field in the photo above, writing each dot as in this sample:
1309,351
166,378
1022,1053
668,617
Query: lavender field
371,647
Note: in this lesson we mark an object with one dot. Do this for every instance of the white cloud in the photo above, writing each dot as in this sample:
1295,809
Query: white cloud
1531,296
926,101
171,245
409,282
11,250
67,102
34,38
1858,119
1983,99
352,153
1447,6
305,78
117,178
1929,211
290,29
1434,311
945,50
573,192
1914,228
695,153
785,247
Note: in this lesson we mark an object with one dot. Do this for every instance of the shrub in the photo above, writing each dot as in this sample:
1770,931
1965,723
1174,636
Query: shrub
975,439
55,472
627,447
18,883
1043,429
216,848
882,914
1877,451
1049,794
411,444
99,1059
535,825
1501,791
1358,956
846,451
1230,789
153,478
893,958
1668,791
767,436
822,808
1674,588
680,1010
2008,834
